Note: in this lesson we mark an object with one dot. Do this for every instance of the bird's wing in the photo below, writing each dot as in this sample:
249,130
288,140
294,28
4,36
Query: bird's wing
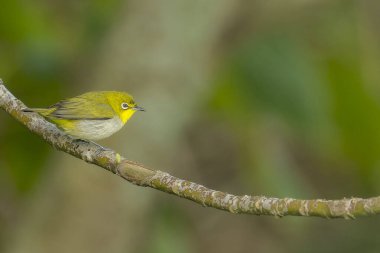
83,107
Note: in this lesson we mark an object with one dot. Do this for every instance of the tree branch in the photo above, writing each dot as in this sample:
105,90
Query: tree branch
142,176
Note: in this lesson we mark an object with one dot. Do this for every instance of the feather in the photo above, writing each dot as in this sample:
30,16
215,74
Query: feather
87,106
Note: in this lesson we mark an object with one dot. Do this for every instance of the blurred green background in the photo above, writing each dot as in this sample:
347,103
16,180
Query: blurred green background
275,98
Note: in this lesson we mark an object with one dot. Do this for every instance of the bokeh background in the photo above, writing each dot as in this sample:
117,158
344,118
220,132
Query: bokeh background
275,98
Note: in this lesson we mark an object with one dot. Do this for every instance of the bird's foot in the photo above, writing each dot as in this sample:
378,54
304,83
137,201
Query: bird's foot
96,144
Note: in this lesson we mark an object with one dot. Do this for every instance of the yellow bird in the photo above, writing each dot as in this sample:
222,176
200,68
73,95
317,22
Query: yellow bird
92,115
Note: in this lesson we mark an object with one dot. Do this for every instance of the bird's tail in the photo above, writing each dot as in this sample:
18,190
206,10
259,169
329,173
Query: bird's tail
42,111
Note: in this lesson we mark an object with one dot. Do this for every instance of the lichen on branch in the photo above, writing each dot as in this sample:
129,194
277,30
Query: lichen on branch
138,174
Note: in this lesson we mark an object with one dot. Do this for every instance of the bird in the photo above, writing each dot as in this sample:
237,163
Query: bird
91,116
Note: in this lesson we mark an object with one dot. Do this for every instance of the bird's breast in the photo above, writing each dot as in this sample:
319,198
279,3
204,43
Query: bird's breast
96,129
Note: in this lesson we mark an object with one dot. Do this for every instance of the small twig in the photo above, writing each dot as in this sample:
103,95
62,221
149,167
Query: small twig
142,176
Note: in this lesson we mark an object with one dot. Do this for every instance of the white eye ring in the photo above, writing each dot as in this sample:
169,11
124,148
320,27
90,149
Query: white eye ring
124,106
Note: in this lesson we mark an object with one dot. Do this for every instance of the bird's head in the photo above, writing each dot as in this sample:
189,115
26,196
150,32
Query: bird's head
123,104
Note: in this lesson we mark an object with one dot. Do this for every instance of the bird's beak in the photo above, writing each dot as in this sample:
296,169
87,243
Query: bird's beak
138,108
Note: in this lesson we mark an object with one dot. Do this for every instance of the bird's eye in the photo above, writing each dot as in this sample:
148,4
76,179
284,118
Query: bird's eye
124,106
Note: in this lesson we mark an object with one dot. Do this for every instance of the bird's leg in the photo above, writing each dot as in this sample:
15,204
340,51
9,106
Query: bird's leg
96,144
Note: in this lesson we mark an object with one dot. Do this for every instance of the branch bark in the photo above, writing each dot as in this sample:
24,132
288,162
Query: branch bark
348,208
